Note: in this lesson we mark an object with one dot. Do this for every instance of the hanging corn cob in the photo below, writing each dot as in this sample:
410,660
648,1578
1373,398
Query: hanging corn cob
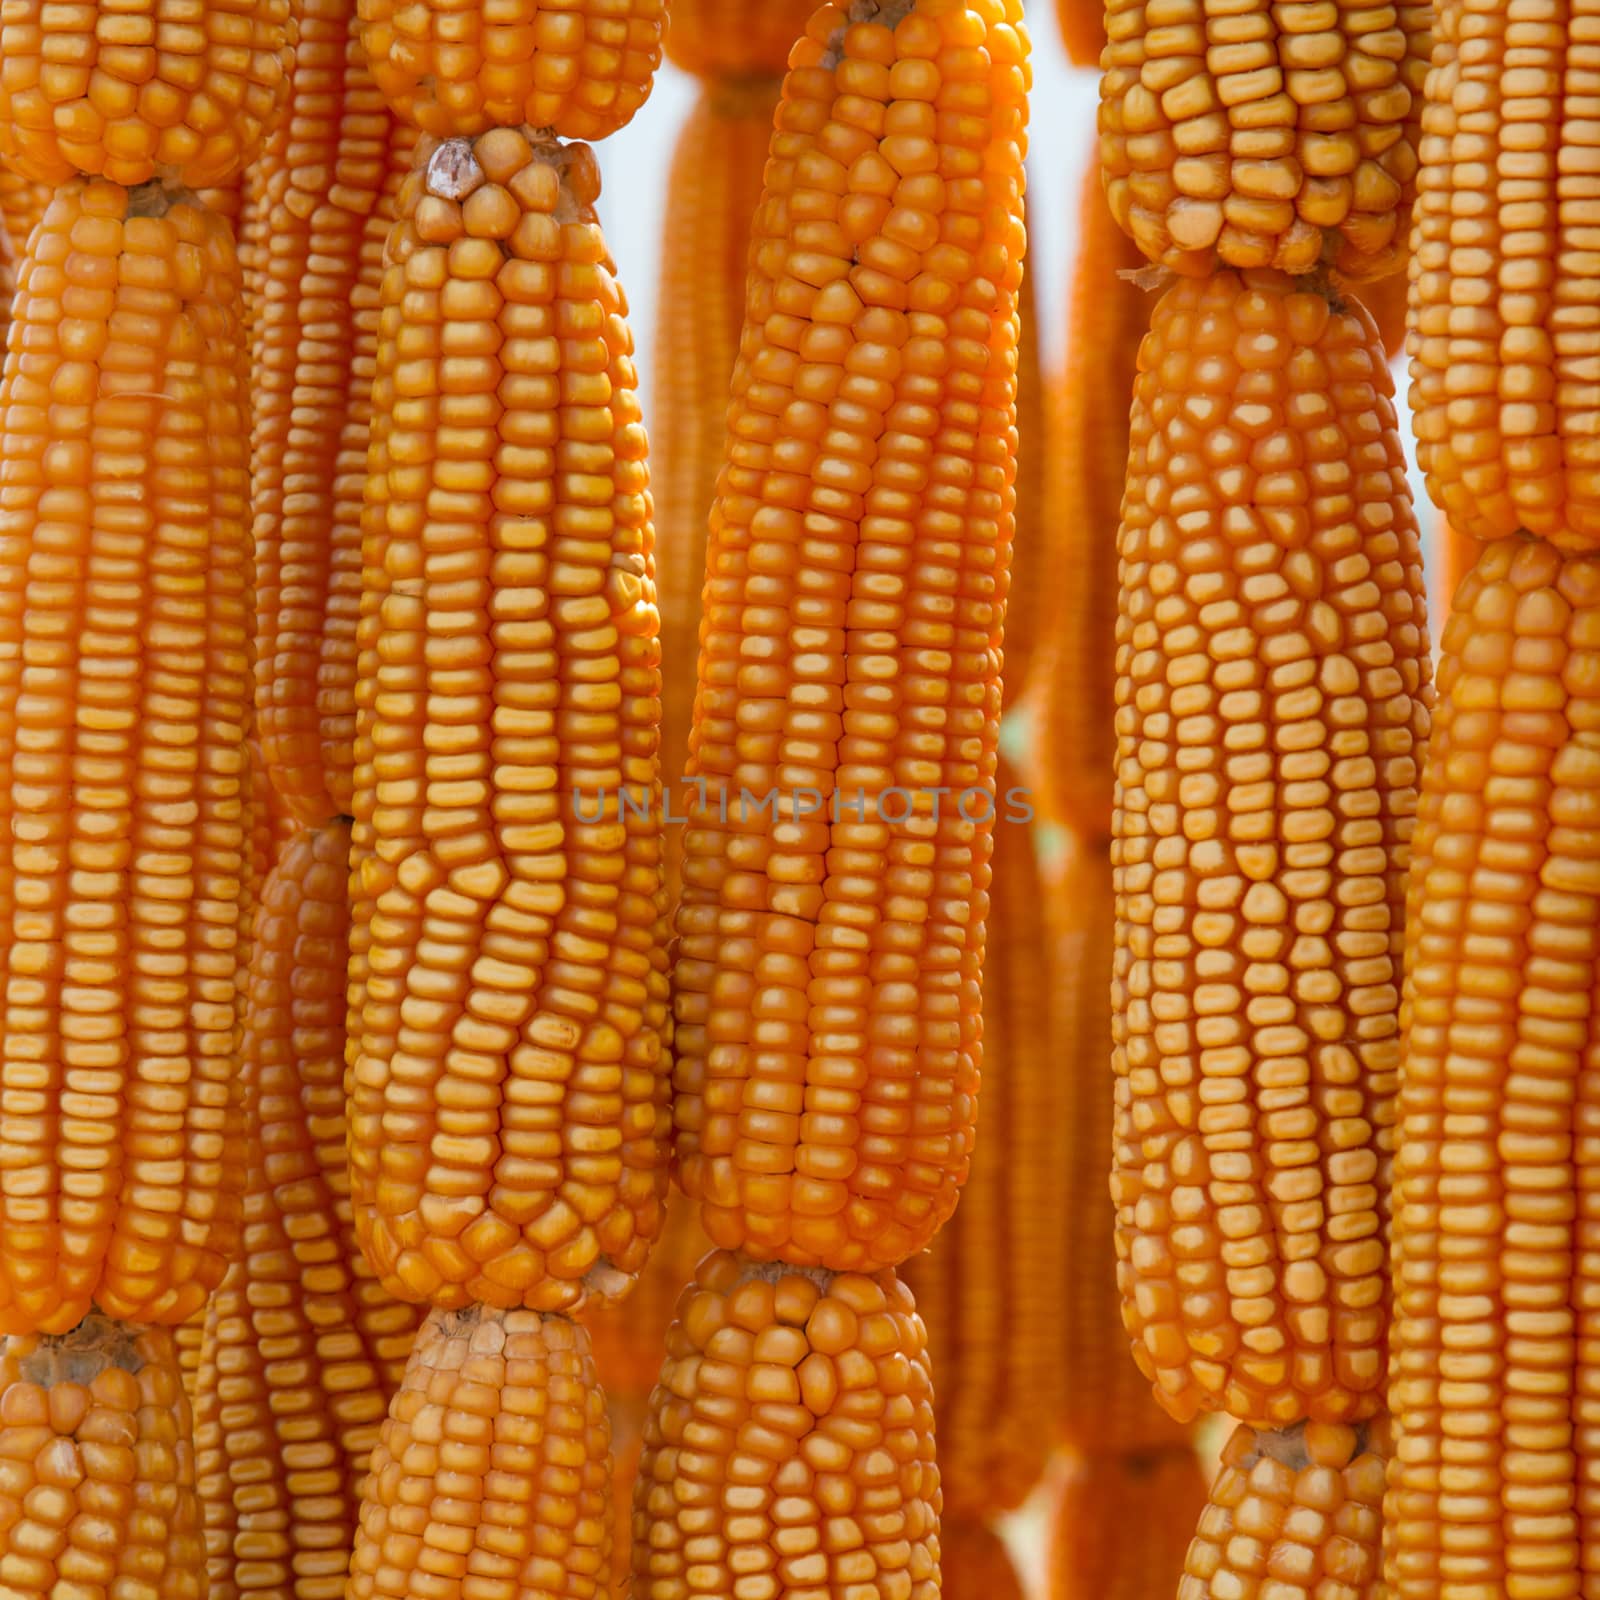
577,68
828,966
303,1348
508,1083
1088,455
712,193
1268,136
331,166
1120,1529
1273,686
99,1471
732,40
991,1290
797,1402
1083,30
166,88
1491,1488
124,554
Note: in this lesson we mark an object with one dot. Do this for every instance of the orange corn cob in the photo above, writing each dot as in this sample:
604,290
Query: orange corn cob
990,1288
1293,1513
492,1474
790,1441
98,1469
508,1116
305,1348
1105,1406
124,555
732,39
1264,136
575,68
1272,707
1083,30
181,89
1121,1526
828,972
22,203
1497,1182
1088,459
712,194
1505,344
321,179
973,1561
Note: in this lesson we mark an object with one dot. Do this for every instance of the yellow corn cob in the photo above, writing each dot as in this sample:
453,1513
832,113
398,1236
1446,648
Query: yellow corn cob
508,1116
1504,342
1083,30
732,39
712,194
22,203
828,970
1264,135
96,1467
1293,1513
492,1475
991,1289
1497,1190
321,179
180,89
305,1348
124,555
576,68
1105,1407
1121,1526
1272,705
790,1441
1088,459
973,1561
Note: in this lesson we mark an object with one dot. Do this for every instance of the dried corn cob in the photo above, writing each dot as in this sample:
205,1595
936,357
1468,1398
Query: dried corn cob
99,1470
1264,136
1293,1513
22,203
576,68
990,1289
1504,342
508,1118
1088,459
180,89
492,1474
1121,1526
1272,705
827,981
1497,1190
124,553
1105,1408
1083,30
732,39
712,194
973,1561
321,179
790,1441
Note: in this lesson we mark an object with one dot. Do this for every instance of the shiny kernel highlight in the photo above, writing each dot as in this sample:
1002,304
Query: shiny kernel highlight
124,696
456,68
828,971
97,1492
1264,135
1273,692
1502,336
789,1446
508,1073
492,1475
178,89
1497,1177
